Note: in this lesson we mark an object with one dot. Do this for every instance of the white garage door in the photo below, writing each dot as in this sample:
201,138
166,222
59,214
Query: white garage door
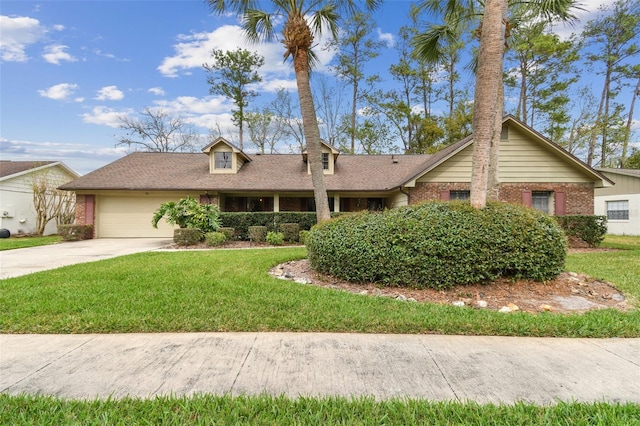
130,217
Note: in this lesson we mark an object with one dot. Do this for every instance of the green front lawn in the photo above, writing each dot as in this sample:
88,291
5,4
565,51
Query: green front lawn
23,242
269,410
230,290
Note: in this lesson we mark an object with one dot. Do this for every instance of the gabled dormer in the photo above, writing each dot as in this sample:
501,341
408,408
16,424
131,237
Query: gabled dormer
329,158
225,157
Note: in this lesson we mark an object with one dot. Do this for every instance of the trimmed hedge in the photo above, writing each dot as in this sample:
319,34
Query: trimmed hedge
272,220
439,245
75,232
187,236
229,233
215,239
258,234
290,231
590,229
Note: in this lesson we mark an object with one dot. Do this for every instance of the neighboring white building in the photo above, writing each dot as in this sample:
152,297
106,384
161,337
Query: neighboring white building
621,202
17,212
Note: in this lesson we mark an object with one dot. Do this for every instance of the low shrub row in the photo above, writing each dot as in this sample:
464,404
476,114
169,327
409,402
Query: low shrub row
590,229
274,221
439,244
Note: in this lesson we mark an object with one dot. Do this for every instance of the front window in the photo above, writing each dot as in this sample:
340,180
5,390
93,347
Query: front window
223,160
540,201
325,161
618,210
459,195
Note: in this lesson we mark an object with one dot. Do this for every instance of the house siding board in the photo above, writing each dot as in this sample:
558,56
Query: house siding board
455,169
621,227
524,159
16,194
626,188
624,184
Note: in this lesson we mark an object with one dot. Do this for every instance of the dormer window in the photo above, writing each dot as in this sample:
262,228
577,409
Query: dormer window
329,157
223,160
224,157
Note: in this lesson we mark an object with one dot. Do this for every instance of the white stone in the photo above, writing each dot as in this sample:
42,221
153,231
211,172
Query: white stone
459,303
482,304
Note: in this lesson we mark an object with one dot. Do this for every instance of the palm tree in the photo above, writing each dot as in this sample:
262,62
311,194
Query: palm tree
496,19
303,19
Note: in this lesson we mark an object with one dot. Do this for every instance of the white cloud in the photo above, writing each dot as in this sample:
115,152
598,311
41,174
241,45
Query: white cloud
274,85
55,53
59,92
190,105
81,157
105,116
591,10
156,91
108,55
18,33
195,49
387,38
109,93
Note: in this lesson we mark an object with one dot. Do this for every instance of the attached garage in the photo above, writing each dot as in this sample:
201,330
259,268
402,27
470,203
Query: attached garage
129,216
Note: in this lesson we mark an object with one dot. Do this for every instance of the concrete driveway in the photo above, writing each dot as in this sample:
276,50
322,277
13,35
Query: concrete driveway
14,263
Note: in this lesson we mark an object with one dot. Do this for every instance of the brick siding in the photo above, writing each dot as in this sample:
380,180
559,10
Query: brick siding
80,209
579,196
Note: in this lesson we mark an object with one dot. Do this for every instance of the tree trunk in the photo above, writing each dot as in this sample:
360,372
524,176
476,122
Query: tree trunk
627,130
493,181
599,119
486,99
312,136
353,117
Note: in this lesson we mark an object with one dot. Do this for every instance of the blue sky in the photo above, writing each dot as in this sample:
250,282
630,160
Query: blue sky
69,69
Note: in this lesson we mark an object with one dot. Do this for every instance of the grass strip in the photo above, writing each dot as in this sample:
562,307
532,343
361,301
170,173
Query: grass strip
24,242
230,290
270,410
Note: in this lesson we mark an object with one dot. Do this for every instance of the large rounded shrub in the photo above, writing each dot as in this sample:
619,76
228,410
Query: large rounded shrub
439,244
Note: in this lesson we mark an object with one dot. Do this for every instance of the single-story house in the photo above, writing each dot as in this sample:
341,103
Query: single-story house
17,211
620,203
119,199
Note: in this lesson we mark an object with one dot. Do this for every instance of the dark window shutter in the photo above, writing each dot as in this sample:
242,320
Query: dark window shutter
561,203
445,195
89,209
527,198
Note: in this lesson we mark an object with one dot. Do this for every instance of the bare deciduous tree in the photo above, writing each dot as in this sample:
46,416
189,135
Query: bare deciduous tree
51,203
158,131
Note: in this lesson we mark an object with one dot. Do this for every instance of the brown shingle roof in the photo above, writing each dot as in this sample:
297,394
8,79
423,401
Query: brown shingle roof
274,172
8,168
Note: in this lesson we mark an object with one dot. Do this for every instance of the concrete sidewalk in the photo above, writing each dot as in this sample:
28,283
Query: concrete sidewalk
14,263
452,368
